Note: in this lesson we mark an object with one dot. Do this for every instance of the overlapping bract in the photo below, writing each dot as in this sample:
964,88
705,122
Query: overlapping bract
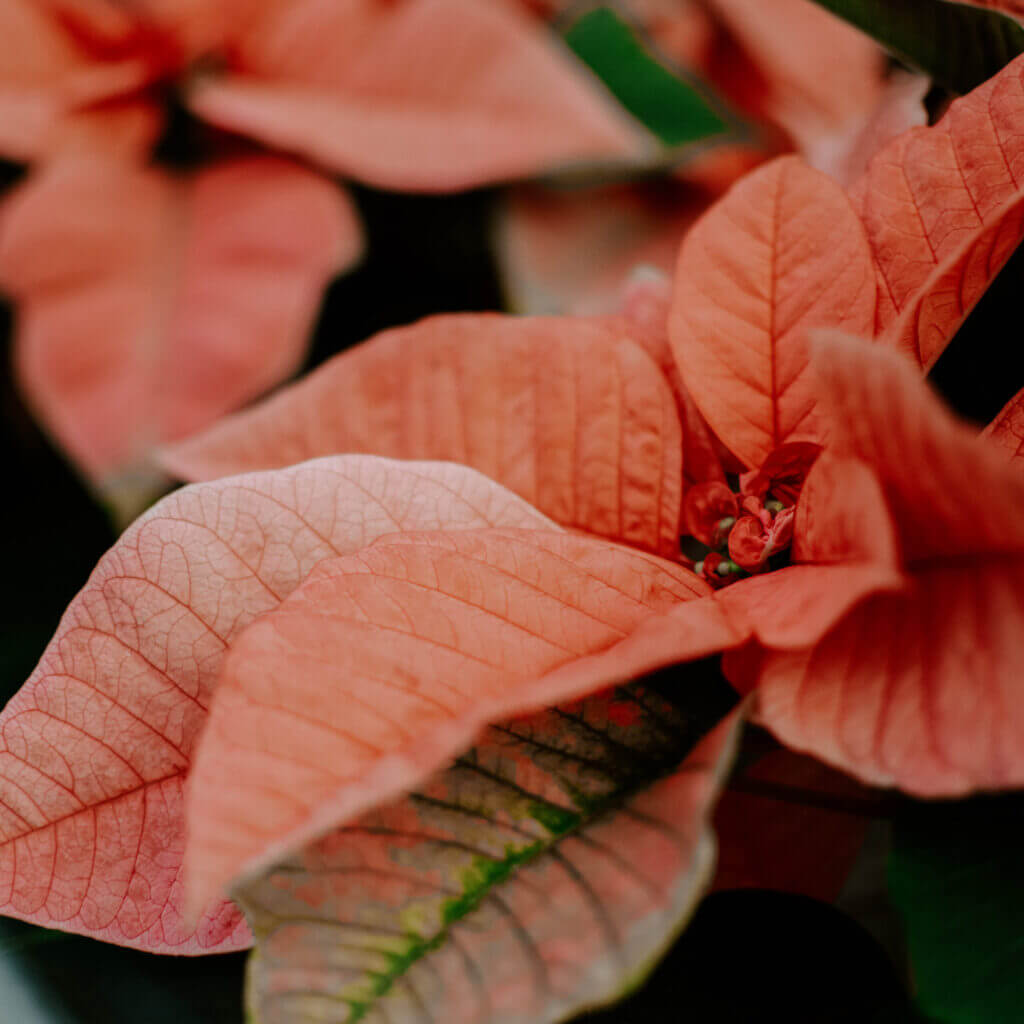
97,743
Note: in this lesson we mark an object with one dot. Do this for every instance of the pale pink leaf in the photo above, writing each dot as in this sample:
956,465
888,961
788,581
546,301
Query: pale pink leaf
569,413
95,746
150,304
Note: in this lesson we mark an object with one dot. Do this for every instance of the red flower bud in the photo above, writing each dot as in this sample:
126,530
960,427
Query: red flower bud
704,507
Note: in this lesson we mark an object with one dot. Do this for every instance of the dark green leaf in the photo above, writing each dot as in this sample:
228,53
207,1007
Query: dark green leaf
959,46
955,874
674,110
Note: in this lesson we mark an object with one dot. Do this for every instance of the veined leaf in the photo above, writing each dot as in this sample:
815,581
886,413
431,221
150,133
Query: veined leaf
782,252
568,412
95,747
958,45
670,107
543,872
943,208
954,873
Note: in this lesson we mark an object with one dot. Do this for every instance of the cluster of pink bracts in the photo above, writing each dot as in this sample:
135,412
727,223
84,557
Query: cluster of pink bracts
473,518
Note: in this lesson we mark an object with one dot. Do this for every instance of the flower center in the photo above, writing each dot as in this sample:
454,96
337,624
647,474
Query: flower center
747,529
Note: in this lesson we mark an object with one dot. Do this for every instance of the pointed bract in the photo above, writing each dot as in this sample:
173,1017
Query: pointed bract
95,746
781,253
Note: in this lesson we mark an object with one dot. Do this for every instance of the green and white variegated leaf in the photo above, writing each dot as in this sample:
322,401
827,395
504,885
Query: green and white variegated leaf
544,872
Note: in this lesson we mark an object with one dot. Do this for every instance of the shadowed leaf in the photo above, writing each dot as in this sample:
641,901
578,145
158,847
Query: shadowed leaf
544,872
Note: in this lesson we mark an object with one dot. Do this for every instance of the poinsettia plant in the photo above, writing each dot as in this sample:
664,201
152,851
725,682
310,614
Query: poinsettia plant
427,685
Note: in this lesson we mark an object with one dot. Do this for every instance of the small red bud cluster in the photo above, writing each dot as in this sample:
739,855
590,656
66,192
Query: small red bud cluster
743,530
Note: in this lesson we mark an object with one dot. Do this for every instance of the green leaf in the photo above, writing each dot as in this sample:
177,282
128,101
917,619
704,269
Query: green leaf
674,110
545,871
955,874
958,46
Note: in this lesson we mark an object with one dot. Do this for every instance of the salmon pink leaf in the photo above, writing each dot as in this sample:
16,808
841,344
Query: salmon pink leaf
43,73
782,252
569,413
429,95
95,747
384,664
919,689
960,46
543,872
943,208
151,304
